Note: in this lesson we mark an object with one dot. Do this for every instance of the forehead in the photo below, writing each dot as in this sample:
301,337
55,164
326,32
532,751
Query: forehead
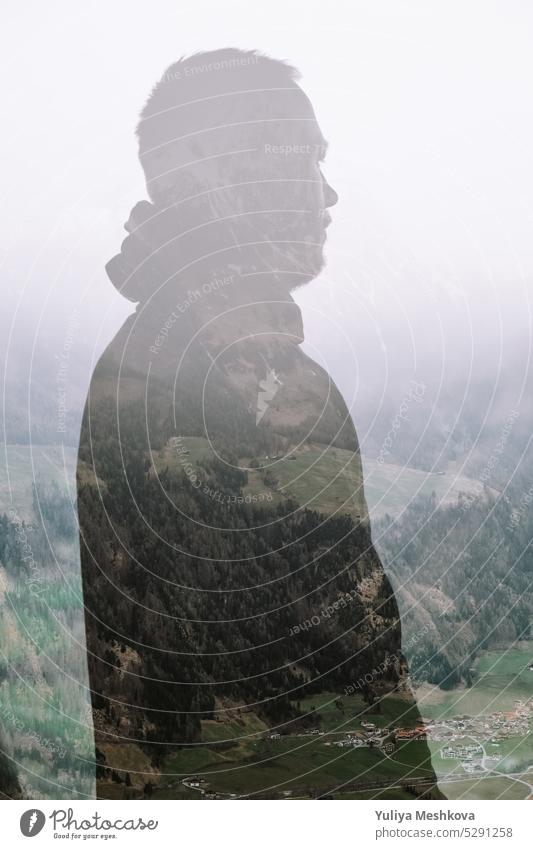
297,117
245,120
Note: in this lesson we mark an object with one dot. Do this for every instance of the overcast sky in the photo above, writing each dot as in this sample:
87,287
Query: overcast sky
428,109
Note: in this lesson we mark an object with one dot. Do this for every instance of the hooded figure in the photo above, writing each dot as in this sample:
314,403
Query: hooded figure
234,601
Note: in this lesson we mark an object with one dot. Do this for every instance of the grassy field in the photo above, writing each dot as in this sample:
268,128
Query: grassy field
303,765
485,788
501,677
329,479
331,718
246,726
390,488
323,478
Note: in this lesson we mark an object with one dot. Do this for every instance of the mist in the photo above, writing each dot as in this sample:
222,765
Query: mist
428,112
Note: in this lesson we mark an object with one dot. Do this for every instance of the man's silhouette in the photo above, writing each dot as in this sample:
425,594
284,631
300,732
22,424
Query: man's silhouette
231,588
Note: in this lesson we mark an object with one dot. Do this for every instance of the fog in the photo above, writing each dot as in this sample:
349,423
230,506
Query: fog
428,111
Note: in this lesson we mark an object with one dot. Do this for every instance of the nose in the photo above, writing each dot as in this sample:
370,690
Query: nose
330,195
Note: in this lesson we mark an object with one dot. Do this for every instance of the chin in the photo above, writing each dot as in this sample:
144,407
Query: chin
312,263
317,260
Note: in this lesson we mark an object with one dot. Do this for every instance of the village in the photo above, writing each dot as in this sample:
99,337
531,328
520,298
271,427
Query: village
493,727
486,733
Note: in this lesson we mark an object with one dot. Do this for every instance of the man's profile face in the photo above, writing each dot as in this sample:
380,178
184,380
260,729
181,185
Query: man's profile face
256,175
284,198
244,171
